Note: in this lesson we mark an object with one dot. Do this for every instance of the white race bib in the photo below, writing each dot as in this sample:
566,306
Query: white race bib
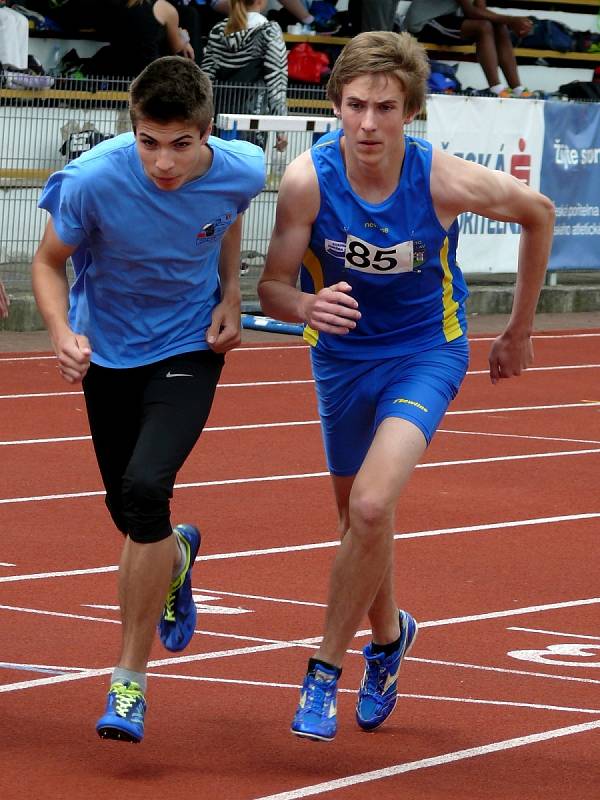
364,257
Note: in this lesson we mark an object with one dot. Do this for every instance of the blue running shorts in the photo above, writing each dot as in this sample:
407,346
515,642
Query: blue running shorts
354,397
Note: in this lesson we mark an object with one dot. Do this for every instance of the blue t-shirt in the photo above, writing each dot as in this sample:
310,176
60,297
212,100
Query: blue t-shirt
399,260
146,264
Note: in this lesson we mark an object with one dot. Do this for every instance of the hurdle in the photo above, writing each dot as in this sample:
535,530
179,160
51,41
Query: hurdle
230,124
257,323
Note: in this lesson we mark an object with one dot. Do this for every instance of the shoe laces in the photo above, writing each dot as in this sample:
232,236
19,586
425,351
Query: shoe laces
126,697
376,674
169,609
318,694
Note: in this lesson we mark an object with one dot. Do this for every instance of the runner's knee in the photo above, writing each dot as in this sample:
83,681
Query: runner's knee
146,508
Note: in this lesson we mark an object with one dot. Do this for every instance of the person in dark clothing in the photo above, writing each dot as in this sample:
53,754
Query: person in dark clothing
139,31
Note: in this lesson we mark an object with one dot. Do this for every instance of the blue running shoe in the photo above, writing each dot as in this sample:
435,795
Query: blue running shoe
316,716
178,619
378,691
124,715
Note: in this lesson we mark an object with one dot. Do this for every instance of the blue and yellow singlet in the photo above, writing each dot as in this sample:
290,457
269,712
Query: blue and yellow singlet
399,260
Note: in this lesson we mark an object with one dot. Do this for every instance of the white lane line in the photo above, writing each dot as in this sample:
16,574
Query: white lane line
296,423
319,545
38,394
503,670
258,384
516,436
45,613
434,761
361,633
213,429
278,644
510,409
403,695
555,368
242,349
555,633
53,440
264,646
589,601
62,574
397,536
463,462
40,667
261,597
271,684
302,346
93,673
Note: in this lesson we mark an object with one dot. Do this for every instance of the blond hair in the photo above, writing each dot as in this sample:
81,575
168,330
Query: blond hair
238,16
383,52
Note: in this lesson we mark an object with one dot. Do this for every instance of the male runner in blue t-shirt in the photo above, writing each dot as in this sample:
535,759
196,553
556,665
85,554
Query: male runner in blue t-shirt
152,221
369,217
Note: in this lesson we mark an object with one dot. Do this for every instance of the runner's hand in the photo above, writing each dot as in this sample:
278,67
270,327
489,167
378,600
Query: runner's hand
509,355
333,309
73,352
225,330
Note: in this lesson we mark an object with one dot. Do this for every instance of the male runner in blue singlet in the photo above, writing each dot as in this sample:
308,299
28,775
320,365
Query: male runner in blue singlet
152,220
369,216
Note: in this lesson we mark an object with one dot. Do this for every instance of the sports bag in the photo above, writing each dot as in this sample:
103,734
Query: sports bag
548,35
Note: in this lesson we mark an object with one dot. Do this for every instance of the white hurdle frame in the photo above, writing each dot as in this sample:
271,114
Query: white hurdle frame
229,124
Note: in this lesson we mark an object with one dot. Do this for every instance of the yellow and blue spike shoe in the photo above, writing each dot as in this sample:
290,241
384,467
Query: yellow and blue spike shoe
124,715
378,692
316,715
178,619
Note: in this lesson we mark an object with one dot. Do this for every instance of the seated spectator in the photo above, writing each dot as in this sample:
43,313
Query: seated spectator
315,16
372,15
247,51
463,22
139,31
4,302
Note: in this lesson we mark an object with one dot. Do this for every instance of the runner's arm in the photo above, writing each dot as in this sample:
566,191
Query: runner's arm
51,292
457,186
332,309
225,329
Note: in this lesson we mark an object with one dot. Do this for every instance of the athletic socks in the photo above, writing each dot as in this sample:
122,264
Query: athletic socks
121,675
386,649
313,663
498,88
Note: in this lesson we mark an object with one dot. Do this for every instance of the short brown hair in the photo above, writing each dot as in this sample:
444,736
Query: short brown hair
383,52
172,88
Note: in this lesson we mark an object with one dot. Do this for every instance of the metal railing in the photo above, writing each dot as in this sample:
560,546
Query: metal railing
42,129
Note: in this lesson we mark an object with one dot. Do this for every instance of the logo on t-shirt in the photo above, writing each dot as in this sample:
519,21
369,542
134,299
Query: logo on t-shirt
213,229
335,249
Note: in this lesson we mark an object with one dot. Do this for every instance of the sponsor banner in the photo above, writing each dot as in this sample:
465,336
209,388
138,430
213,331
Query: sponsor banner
506,135
571,178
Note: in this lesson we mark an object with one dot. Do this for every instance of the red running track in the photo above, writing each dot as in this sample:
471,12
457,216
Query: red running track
495,556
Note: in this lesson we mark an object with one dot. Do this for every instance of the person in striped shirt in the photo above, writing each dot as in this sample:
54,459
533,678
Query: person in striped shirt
247,51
